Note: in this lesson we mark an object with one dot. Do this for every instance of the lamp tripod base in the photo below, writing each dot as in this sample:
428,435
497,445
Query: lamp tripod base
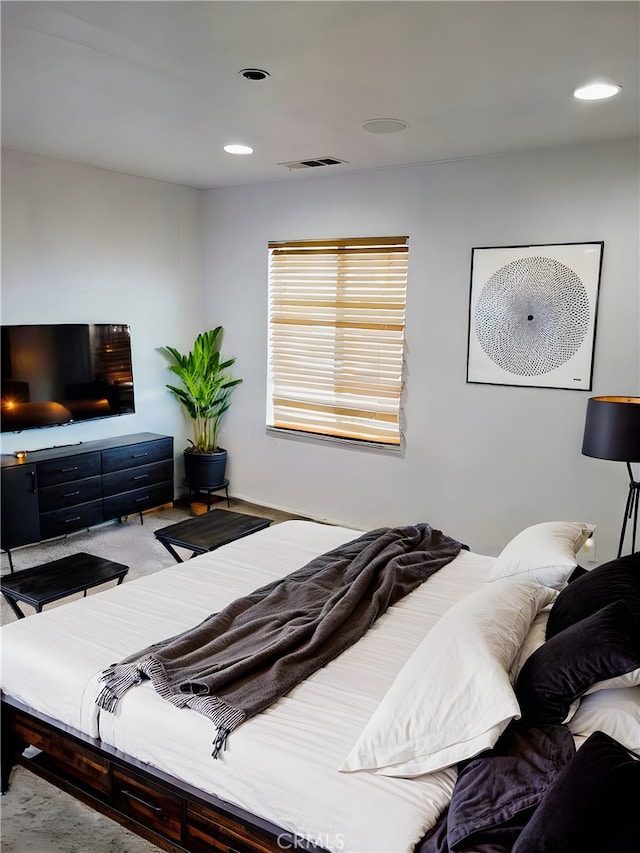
630,511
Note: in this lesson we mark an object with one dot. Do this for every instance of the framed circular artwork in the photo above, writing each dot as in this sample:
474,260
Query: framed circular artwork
532,315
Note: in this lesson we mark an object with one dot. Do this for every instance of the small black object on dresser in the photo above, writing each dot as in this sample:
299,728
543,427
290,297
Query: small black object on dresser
63,489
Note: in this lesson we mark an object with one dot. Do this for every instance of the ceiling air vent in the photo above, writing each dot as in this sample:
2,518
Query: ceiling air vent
311,164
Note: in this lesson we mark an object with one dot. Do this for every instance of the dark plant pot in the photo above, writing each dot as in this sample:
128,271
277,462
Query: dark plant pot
205,470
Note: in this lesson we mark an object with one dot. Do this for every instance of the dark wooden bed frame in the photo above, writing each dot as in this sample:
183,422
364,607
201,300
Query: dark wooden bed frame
169,813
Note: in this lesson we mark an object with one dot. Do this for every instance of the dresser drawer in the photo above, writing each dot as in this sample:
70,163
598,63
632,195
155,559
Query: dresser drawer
69,519
137,478
119,458
148,804
69,494
67,469
138,500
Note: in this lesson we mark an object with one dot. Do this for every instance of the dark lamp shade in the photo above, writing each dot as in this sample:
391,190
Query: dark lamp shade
612,429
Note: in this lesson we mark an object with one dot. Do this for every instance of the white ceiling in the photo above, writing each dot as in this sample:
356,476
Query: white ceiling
153,88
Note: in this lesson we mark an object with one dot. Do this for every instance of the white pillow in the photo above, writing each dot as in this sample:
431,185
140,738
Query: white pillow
614,712
544,553
453,697
629,679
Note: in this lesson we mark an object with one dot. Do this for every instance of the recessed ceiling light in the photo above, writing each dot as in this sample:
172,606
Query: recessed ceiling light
254,73
384,125
238,149
597,91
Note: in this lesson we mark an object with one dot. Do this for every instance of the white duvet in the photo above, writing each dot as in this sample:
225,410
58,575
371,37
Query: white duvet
283,764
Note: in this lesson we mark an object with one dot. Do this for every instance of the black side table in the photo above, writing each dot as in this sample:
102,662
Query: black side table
48,582
208,531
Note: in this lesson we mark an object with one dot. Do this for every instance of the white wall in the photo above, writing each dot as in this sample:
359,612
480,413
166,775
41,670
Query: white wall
86,245
481,461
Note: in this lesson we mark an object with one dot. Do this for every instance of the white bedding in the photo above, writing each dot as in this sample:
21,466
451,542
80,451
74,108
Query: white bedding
283,764
101,629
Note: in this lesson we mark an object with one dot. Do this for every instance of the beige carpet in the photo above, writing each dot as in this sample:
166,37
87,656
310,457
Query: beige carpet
35,816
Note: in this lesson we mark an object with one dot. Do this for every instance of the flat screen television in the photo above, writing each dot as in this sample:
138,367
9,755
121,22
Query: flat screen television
57,374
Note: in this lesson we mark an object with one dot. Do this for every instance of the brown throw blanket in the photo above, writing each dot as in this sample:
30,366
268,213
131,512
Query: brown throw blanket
239,661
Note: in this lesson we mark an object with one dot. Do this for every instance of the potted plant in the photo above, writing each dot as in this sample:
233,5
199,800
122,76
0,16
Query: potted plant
204,394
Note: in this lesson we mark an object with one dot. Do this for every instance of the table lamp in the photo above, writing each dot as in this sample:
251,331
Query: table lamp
612,431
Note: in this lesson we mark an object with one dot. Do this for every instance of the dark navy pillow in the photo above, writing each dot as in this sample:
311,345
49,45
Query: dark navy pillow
604,645
618,579
591,805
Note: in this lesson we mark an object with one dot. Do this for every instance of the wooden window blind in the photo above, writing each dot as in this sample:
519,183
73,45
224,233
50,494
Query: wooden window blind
336,337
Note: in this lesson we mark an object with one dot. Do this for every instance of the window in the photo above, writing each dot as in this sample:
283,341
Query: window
336,337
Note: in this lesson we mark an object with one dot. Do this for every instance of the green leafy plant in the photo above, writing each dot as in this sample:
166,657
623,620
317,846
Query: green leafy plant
206,387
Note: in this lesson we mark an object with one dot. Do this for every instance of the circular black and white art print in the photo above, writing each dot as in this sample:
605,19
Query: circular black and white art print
532,320
532,316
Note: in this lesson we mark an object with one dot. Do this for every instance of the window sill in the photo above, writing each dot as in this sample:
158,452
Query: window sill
350,443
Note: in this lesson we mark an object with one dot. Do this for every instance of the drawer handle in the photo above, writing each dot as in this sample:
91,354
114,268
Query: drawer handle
141,477
135,798
70,520
142,500
71,494
138,455
66,470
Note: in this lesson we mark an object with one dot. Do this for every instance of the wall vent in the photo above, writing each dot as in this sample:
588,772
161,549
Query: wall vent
312,163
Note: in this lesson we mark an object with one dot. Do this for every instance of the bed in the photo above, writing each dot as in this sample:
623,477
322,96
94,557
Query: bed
355,757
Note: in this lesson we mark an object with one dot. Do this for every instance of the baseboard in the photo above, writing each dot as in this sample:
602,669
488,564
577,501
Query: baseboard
291,511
